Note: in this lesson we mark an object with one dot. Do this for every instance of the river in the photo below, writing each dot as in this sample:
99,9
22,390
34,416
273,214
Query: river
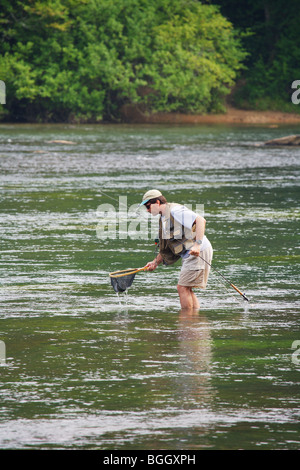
84,368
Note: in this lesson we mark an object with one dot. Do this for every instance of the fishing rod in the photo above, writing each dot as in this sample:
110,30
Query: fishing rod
230,283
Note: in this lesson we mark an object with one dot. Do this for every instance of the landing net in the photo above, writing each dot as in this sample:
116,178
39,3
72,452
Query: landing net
122,280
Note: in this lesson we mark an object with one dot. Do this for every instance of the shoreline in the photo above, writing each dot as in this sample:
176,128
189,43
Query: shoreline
134,115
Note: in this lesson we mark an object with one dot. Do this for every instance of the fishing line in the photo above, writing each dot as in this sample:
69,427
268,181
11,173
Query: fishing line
230,283
113,198
118,201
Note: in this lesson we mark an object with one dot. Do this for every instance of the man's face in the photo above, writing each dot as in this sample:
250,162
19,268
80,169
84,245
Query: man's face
153,208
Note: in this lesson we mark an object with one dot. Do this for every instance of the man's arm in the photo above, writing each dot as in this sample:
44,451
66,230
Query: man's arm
153,264
200,229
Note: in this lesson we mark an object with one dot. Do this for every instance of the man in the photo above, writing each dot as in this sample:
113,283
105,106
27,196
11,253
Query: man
181,235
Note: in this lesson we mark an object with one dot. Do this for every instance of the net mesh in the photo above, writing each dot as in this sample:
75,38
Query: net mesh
121,282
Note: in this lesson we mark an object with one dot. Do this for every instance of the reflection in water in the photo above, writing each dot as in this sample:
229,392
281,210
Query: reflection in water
195,344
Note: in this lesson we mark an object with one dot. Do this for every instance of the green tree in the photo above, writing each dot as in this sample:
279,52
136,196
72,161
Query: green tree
273,62
83,59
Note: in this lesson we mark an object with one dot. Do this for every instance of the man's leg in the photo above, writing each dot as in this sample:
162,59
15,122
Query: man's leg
188,299
196,304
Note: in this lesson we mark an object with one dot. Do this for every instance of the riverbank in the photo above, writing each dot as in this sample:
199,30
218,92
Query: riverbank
133,114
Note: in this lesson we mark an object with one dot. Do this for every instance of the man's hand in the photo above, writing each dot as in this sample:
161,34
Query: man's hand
151,266
195,250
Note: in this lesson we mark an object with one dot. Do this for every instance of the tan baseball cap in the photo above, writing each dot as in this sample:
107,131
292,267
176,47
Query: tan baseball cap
152,194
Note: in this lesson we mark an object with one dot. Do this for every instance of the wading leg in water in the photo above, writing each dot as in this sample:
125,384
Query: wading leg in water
188,299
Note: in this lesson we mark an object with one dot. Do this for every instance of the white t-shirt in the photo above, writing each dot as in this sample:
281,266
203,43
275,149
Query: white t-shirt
185,217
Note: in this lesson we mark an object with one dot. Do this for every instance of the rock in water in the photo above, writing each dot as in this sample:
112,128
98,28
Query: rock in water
288,140
61,142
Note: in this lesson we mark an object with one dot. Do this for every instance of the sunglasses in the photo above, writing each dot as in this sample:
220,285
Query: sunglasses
149,203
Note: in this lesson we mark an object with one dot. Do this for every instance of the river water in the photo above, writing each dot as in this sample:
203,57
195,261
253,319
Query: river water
84,368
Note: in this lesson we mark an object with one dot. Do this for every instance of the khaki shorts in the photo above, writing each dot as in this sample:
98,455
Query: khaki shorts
194,271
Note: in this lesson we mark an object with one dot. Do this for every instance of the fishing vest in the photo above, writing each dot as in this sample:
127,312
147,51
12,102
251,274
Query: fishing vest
174,238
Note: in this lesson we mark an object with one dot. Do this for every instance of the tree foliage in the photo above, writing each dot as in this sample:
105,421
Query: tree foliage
83,60
273,62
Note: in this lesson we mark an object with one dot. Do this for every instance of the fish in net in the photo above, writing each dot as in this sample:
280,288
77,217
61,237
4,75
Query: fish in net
122,280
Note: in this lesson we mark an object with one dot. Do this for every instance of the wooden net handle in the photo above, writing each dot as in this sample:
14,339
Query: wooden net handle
126,272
